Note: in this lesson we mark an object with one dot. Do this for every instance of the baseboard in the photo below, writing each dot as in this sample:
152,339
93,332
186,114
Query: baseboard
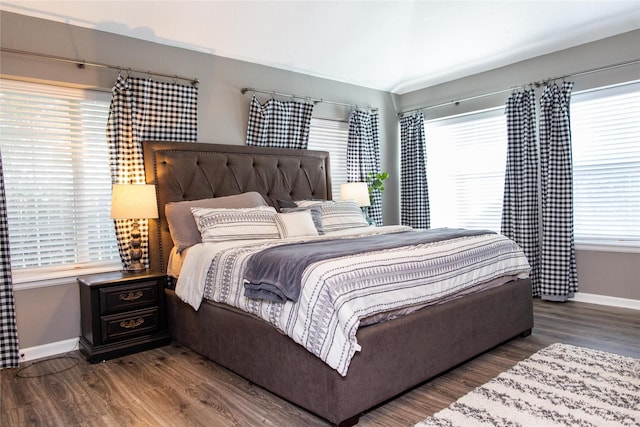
47,350
607,300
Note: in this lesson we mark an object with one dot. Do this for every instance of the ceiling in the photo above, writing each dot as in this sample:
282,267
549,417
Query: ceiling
396,46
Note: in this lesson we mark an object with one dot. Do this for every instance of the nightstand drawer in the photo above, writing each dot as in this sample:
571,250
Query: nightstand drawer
116,299
129,325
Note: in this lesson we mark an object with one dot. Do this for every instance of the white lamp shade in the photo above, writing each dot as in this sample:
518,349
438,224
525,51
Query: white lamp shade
357,191
133,201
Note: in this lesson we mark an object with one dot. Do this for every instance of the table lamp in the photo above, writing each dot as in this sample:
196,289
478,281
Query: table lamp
359,192
134,201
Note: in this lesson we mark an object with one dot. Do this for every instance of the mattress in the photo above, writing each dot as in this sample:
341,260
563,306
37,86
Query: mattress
338,294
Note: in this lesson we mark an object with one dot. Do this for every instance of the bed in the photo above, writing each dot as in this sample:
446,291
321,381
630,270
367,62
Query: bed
393,356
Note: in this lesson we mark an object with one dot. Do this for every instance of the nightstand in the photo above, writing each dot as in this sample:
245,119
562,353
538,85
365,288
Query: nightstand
122,313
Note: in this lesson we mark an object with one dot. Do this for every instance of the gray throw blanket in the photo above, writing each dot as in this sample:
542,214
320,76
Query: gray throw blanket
275,273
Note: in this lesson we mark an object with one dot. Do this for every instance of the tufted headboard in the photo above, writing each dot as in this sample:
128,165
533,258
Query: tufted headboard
191,171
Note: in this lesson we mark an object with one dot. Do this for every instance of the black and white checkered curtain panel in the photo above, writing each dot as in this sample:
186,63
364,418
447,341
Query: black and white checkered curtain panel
414,192
279,124
143,109
520,213
363,154
558,272
9,350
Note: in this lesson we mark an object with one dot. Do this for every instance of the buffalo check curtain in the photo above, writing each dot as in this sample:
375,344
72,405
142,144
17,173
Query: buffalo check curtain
9,350
414,192
537,209
281,124
363,154
143,109
558,272
520,214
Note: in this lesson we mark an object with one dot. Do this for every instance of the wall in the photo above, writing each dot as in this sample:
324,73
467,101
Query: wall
51,314
601,53
606,273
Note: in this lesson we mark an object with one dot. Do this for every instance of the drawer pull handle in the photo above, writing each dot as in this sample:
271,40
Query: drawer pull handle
131,296
131,323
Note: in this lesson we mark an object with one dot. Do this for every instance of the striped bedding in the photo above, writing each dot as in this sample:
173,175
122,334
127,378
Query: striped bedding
338,294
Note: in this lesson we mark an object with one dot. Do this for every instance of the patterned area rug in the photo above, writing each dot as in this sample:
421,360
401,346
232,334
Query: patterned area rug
560,385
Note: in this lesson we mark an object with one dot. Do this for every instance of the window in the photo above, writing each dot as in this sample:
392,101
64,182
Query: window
466,157
605,129
57,180
332,136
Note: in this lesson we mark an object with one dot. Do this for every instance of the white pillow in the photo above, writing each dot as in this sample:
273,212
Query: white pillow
316,215
338,215
236,224
296,224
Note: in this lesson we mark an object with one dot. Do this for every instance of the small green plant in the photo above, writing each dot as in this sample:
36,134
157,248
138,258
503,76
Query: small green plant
374,182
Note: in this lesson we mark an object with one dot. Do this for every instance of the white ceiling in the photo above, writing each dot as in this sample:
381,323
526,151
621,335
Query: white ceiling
396,46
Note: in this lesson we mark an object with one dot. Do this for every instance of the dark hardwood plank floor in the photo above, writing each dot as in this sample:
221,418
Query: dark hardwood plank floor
173,386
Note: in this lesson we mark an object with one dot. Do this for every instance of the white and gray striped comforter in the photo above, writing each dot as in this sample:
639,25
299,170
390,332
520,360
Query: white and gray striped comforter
338,293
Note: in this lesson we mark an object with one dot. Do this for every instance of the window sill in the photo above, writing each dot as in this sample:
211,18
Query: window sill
33,281
603,247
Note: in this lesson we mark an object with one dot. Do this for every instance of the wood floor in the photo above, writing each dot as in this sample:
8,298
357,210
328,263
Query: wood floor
172,386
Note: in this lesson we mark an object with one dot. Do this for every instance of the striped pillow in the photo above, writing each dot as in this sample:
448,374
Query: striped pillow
182,226
338,215
217,225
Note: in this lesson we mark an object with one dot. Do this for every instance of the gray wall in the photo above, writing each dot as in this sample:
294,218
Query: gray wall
602,53
51,314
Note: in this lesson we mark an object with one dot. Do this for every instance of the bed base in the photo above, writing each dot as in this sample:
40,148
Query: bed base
396,355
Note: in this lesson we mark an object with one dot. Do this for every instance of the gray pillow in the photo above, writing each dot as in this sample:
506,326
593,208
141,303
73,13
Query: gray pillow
182,225
285,204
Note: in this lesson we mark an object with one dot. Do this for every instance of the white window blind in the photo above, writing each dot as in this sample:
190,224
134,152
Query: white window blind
332,136
57,180
466,157
605,128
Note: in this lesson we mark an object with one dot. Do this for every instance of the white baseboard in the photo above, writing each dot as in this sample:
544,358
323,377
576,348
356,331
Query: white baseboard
47,350
607,300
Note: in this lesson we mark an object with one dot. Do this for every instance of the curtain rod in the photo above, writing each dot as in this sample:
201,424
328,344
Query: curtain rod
536,84
82,64
314,100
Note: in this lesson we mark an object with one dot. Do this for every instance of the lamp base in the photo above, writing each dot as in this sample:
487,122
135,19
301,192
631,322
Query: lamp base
135,266
135,253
